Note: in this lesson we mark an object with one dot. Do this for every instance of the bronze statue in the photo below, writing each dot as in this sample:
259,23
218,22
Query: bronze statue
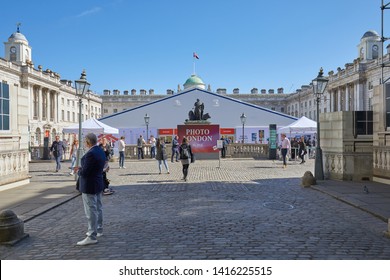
197,113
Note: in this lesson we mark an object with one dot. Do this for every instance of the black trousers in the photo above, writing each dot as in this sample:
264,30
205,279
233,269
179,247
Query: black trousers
185,170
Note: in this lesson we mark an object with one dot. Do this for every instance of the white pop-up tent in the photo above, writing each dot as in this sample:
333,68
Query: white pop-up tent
302,125
91,125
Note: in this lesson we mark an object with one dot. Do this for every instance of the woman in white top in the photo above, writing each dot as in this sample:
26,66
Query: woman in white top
73,154
286,147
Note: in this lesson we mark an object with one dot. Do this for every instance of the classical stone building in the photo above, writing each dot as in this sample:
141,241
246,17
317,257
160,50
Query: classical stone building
35,105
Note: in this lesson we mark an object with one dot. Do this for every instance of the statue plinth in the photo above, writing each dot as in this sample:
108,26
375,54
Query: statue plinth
197,122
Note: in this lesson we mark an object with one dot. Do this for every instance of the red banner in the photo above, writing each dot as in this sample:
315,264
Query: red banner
166,131
230,131
202,138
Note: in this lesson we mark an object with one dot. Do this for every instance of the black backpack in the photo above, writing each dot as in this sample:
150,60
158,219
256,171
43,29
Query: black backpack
184,152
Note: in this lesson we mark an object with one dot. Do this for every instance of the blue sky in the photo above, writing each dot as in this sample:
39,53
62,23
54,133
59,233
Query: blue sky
131,44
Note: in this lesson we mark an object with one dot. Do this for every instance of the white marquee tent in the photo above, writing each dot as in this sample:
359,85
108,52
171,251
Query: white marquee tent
302,125
91,125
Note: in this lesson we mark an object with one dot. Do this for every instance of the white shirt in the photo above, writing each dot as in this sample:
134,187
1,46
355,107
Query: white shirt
121,146
285,143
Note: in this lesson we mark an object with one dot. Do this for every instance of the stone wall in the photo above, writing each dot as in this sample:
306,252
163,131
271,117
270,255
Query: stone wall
346,156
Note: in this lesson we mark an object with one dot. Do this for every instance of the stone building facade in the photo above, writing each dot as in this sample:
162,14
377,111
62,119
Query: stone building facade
44,103
35,104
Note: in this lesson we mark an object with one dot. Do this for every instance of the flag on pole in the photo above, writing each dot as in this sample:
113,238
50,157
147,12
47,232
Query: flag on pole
196,55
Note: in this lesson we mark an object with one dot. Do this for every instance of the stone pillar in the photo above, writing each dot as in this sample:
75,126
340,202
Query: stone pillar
48,106
11,228
40,104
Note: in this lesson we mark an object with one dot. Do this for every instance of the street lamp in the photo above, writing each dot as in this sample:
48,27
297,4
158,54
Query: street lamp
82,87
147,118
243,120
319,85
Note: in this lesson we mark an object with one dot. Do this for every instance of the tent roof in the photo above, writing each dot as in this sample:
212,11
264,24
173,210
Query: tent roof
91,125
301,125
173,110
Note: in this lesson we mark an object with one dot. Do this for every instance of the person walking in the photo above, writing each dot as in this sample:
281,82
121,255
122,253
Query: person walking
286,147
186,157
57,149
91,185
152,142
106,147
302,149
175,148
121,149
140,146
73,155
224,146
161,154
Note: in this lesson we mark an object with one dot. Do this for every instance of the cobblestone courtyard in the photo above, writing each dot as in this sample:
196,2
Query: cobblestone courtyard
233,209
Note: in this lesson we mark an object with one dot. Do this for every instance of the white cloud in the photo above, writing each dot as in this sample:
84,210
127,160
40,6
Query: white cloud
89,12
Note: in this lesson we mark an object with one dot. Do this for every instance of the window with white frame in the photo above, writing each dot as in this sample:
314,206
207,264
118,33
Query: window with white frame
4,107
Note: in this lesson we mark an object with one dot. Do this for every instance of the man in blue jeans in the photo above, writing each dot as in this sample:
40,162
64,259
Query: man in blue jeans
57,149
175,148
140,145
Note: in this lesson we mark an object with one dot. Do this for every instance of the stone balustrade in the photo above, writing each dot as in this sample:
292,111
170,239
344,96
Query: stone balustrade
13,166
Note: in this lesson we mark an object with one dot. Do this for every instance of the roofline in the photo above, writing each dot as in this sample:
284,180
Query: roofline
205,91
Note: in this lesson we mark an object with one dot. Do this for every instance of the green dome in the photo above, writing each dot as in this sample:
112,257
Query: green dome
194,81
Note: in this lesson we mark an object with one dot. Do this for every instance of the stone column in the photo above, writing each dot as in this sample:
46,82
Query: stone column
48,105
40,103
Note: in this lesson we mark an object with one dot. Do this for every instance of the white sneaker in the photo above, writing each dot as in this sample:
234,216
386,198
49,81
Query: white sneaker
99,234
87,241
124,167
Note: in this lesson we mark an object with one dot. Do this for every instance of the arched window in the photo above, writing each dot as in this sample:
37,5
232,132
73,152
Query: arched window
375,51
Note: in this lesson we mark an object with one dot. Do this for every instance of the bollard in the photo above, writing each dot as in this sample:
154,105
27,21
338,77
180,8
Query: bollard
387,233
11,228
308,179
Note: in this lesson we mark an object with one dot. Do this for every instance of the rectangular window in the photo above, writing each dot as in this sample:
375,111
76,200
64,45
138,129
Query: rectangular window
4,107
363,122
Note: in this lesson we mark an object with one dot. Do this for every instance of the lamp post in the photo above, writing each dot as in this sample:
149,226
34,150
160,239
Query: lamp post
319,85
82,87
243,120
147,119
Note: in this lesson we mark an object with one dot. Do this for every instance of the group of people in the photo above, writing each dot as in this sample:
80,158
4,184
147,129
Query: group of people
180,152
285,148
92,177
